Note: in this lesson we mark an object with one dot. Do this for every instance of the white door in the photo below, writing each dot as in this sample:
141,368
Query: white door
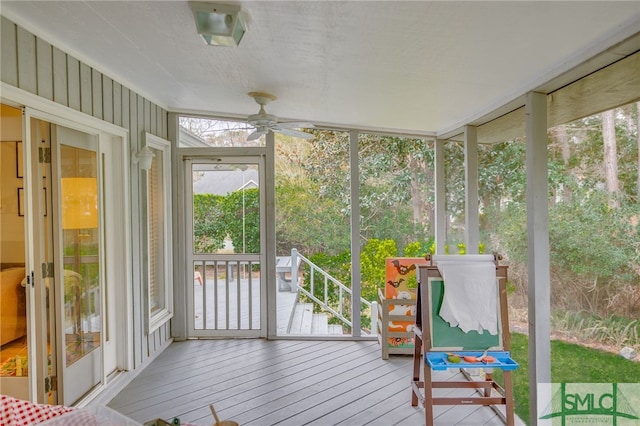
78,255
75,338
226,289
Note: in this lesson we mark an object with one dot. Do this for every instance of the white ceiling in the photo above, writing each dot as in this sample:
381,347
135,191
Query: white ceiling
415,67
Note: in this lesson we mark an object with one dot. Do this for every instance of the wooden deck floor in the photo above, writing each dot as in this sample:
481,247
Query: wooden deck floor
288,382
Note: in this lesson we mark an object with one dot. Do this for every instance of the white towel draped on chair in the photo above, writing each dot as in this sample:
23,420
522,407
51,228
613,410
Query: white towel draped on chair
470,295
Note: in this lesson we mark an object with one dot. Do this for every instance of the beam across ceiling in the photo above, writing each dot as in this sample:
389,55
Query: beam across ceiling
613,86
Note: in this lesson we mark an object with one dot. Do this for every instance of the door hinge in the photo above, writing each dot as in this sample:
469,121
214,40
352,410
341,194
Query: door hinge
47,270
44,155
30,280
51,383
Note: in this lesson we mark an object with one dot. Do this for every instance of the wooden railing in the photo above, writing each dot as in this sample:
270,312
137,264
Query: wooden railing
340,308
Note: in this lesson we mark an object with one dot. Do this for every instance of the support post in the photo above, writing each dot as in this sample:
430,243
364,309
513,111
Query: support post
271,282
355,234
472,223
538,248
440,196
374,318
294,270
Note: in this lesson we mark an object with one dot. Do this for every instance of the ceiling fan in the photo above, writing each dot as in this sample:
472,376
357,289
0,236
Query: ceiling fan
264,122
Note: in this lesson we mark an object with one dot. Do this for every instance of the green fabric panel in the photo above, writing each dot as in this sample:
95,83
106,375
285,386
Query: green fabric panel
444,335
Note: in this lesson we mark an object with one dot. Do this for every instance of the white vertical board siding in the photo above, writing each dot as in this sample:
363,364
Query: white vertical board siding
35,66
44,70
26,60
126,119
73,84
146,110
9,49
96,93
107,99
86,93
161,122
117,103
59,77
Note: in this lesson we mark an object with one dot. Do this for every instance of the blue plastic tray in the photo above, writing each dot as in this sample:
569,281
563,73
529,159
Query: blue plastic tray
438,360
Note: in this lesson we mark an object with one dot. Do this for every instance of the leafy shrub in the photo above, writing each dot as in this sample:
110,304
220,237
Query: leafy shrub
372,265
610,330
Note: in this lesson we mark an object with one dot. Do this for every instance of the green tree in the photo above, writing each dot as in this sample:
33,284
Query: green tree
311,216
372,265
236,216
208,231
396,181
309,222
396,188
241,219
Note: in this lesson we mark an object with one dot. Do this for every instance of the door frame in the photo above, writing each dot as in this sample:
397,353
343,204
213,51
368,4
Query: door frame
179,321
43,109
223,156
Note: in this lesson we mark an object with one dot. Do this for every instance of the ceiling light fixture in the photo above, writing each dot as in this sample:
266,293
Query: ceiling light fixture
219,24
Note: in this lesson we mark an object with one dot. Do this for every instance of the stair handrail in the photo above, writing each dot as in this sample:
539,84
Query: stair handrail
296,258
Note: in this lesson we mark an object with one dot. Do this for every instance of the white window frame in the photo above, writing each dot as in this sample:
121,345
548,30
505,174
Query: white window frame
160,317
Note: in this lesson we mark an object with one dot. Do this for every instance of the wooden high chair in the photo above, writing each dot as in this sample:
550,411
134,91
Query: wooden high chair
435,339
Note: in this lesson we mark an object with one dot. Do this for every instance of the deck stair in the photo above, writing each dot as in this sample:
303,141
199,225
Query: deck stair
305,322
315,289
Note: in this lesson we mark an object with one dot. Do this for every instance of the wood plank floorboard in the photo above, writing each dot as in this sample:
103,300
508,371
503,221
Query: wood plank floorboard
289,385
285,382
273,383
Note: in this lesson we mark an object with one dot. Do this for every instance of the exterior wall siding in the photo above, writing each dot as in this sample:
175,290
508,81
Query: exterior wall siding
32,64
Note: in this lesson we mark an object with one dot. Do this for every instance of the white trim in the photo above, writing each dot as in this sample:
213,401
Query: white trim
29,235
125,345
186,239
118,160
266,257
179,322
124,378
156,320
65,116
207,153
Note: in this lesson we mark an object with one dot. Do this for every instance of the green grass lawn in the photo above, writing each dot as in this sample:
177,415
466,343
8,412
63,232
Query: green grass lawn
570,363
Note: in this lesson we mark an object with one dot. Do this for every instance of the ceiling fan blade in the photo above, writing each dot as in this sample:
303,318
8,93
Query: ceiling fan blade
255,135
294,125
294,133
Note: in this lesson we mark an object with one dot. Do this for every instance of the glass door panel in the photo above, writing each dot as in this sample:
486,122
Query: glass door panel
80,255
14,344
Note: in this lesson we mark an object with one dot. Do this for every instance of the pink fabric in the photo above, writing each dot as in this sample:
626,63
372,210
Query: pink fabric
16,412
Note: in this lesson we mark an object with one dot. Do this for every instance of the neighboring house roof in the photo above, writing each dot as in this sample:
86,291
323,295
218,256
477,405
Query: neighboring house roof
187,138
223,182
